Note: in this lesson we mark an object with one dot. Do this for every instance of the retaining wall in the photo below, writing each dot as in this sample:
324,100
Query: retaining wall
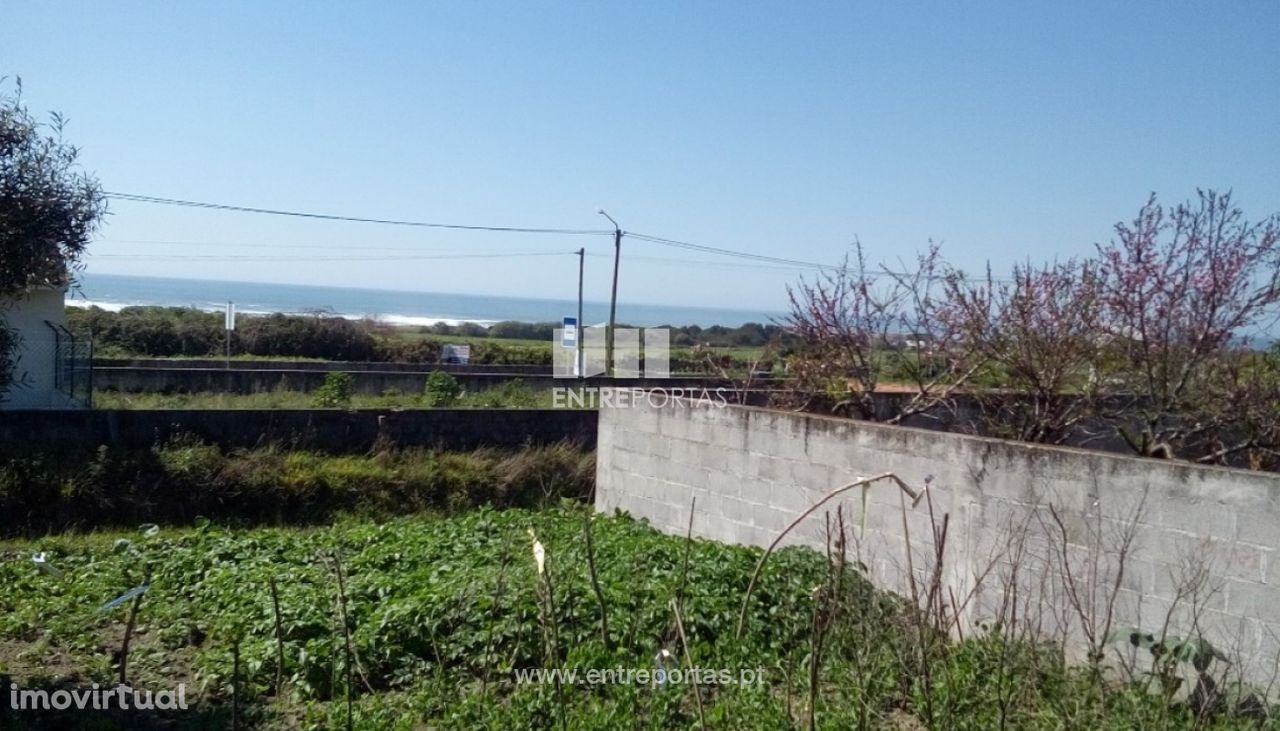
1017,517
322,429
264,377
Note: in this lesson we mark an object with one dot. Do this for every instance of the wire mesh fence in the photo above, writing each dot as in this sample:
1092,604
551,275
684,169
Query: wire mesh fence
53,368
74,363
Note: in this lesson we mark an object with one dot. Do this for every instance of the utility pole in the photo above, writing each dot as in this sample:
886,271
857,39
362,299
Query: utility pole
230,326
582,366
613,299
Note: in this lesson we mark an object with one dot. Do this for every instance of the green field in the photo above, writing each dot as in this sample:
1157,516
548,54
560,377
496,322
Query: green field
440,616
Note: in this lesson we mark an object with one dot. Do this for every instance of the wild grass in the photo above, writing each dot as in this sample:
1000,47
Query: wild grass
184,478
513,394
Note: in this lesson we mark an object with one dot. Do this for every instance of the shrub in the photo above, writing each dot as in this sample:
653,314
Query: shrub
335,392
396,350
442,390
499,354
328,338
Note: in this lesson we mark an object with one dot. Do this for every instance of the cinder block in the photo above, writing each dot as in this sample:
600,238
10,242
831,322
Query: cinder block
811,476
765,468
1254,600
724,483
1204,517
754,491
728,435
1222,558
750,535
715,458
795,498
686,452
1261,528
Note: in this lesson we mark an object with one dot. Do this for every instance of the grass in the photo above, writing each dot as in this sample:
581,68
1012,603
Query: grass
443,612
408,334
741,354
744,353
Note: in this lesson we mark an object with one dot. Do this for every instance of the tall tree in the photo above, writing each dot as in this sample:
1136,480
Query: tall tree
49,209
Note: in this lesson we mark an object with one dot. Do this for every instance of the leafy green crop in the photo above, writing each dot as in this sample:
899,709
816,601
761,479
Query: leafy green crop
443,613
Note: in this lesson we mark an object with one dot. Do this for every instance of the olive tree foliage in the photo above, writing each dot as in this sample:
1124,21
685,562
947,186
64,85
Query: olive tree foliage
49,209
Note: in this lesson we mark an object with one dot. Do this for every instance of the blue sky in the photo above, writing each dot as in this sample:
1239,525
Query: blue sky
1005,130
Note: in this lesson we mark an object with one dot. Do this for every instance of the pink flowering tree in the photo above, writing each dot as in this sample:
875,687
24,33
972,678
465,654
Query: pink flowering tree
855,325
1037,336
1181,291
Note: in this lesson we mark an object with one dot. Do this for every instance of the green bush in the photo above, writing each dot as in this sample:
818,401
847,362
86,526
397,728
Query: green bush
155,331
442,390
328,338
335,392
400,350
500,354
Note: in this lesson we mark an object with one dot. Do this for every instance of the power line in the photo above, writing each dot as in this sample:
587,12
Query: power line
662,241
729,252
136,198
268,257
139,198
798,263
264,245
703,262
268,245
420,250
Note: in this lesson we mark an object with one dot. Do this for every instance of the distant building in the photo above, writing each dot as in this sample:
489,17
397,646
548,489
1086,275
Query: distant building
52,368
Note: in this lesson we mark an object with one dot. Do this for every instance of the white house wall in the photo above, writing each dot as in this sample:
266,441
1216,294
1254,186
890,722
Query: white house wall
35,371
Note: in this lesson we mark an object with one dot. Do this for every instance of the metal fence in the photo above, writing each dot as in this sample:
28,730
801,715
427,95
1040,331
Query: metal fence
73,365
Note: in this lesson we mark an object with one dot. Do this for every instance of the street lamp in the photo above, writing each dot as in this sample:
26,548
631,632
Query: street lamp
613,299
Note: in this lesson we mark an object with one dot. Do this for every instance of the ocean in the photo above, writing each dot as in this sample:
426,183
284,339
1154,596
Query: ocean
113,292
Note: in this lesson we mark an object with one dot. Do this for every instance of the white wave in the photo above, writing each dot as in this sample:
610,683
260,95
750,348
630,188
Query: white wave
108,306
395,320
418,320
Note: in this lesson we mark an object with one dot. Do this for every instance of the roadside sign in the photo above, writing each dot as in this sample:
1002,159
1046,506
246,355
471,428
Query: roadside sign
231,316
458,354
569,333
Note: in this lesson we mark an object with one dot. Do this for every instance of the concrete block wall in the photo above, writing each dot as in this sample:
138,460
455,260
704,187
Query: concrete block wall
1042,527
